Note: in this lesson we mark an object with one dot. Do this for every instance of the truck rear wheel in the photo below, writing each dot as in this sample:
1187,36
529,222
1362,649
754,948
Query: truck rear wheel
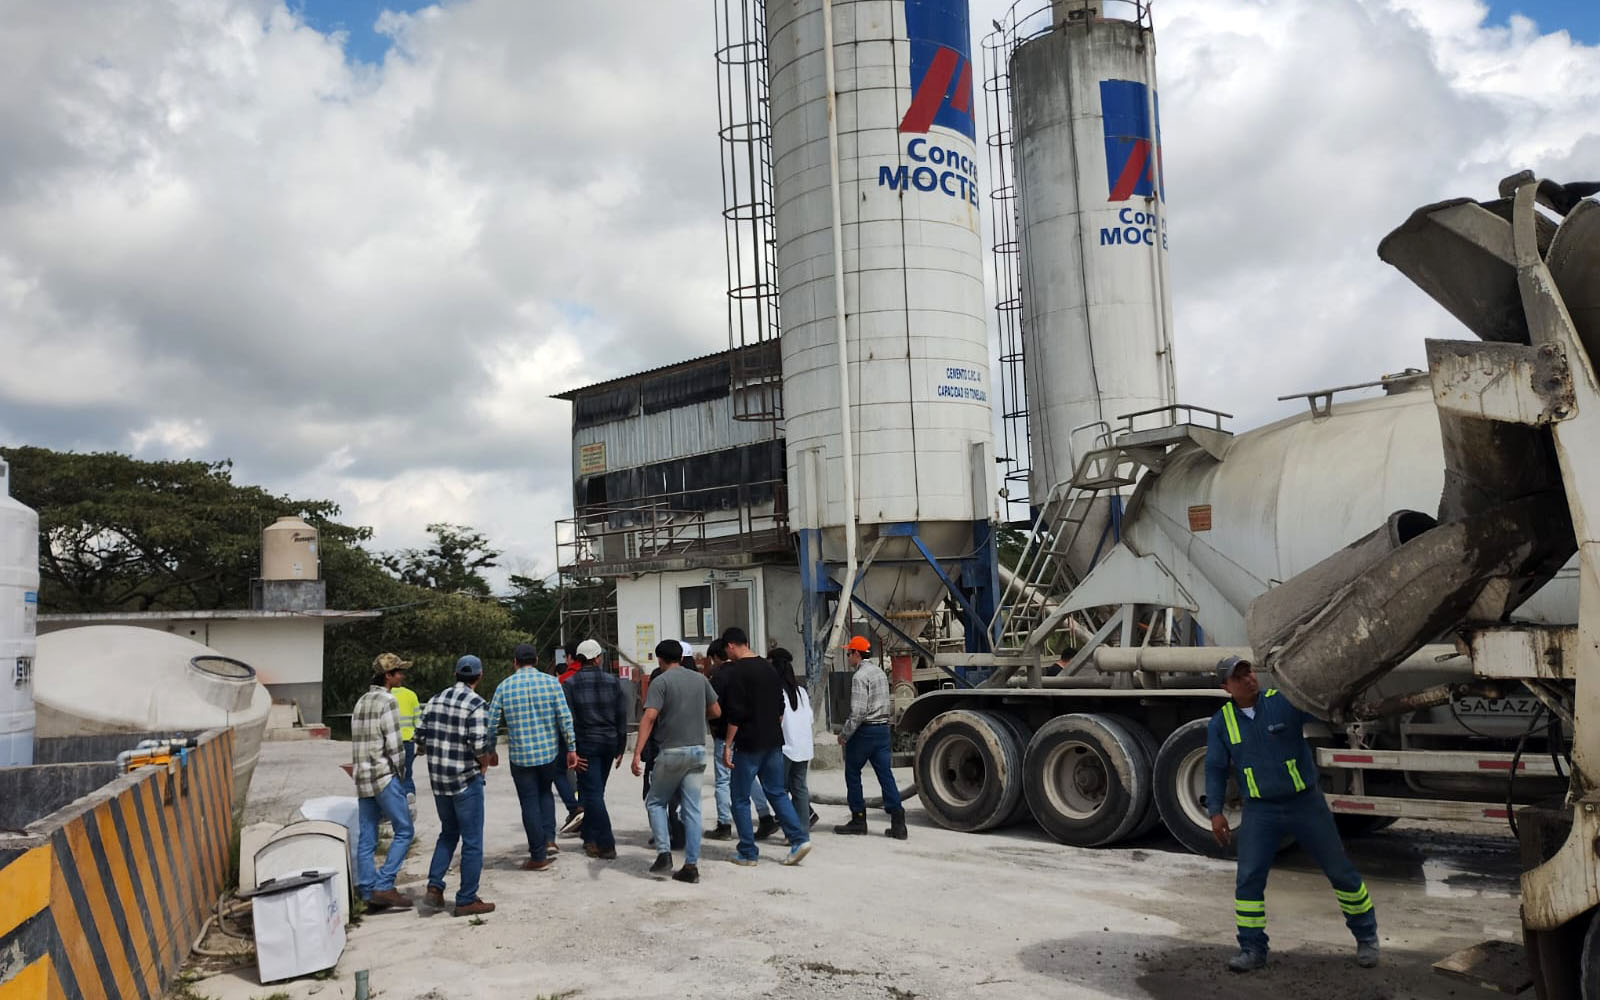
1180,791
1087,779
1021,732
969,770
1589,962
1140,732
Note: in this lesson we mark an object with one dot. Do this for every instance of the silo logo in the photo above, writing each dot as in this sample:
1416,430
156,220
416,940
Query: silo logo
1133,145
941,67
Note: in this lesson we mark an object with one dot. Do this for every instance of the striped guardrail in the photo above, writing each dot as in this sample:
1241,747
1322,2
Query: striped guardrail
105,900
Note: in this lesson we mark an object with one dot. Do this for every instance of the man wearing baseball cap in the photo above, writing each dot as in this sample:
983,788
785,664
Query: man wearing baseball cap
454,732
600,717
1259,737
866,739
378,760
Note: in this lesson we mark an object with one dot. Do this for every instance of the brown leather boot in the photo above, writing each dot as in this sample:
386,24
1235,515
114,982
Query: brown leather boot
475,908
390,899
434,898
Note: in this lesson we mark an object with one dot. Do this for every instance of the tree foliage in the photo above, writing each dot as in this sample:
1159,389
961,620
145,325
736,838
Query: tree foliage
453,563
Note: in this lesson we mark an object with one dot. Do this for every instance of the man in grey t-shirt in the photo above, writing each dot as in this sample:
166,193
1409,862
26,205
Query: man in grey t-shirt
675,711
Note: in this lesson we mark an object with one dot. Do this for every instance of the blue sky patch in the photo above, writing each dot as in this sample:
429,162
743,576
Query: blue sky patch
1580,18
357,18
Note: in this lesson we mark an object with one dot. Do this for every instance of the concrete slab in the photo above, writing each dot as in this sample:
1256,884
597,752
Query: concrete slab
1002,916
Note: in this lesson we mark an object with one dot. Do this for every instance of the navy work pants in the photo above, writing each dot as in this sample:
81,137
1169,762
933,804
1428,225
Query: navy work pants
1305,817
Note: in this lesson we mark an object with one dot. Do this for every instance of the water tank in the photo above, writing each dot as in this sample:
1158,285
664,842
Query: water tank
121,679
918,369
289,551
19,608
1096,310
1283,499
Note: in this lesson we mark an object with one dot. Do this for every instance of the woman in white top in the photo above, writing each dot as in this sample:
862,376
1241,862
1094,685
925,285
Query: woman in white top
797,746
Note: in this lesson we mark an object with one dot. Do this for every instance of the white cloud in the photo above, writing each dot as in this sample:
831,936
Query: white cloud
220,238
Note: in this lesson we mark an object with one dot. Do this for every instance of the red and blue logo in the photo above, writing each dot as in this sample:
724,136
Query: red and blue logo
1133,140
941,67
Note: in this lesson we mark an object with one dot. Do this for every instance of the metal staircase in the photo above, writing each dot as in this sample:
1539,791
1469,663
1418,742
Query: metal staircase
1030,605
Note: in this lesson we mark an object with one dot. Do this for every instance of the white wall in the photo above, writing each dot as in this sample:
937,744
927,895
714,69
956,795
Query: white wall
652,601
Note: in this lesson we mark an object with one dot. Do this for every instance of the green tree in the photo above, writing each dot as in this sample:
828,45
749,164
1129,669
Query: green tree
453,563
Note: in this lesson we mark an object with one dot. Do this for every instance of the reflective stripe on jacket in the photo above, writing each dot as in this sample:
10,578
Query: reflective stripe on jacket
1269,754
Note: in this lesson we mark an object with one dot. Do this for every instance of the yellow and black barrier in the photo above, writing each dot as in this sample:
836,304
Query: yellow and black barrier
105,900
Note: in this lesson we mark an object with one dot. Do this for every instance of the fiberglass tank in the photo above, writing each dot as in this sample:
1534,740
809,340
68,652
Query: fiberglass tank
916,315
121,679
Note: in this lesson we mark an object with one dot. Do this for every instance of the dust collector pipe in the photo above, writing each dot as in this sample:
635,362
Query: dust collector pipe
1203,659
847,448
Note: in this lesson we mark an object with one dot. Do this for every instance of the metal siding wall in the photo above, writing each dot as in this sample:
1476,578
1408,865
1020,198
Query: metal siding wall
108,905
677,433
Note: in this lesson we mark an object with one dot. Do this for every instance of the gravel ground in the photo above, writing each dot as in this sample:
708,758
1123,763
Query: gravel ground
1002,915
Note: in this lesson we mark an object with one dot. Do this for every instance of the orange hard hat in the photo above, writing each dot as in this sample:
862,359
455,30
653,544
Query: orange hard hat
859,644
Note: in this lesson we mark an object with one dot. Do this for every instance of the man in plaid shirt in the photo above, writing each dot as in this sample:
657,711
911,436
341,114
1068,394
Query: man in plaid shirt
453,731
535,713
378,761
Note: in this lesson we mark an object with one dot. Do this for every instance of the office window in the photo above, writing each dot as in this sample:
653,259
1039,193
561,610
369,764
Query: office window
696,621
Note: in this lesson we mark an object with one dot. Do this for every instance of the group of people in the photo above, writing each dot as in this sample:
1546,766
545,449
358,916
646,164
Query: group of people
754,711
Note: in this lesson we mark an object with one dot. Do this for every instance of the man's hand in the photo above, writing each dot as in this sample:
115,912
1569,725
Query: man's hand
572,760
583,764
494,758
841,739
727,755
618,763
1219,829
638,766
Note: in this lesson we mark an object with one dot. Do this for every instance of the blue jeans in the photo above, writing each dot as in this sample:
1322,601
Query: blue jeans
765,767
795,773
870,744
408,777
564,789
678,769
390,802
1306,816
538,803
592,780
460,818
724,788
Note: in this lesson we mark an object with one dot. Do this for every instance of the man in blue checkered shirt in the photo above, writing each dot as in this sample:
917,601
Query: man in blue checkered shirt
453,731
535,712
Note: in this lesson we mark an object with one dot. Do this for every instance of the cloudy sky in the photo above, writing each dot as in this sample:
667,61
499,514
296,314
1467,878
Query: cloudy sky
354,245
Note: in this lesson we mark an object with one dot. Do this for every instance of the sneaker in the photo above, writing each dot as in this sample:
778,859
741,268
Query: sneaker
745,862
815,819
724,831
766,828
663,864
434,898
389,900
536,866
798,854
1247,961
688,873
475,908
551,850
573,821
1367,954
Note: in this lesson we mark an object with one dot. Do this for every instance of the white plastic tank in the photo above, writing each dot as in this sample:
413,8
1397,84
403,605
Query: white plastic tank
289,551
121,679
1096,308
19,611
1286,496
915,306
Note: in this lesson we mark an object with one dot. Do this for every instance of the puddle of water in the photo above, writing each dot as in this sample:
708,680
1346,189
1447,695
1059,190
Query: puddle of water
1442,880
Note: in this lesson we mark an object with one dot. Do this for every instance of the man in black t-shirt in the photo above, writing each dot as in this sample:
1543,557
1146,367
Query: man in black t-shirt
754,748
720,674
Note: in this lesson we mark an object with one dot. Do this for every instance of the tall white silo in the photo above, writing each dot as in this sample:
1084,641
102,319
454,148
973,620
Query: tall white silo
19,607
918,356
1096,310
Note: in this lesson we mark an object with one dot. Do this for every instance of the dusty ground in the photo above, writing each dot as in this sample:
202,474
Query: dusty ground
944,915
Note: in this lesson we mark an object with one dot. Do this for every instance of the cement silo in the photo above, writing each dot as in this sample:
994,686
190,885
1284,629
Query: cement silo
19,608
878,222
1096,311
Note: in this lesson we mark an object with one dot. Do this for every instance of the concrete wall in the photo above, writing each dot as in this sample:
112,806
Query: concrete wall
102,898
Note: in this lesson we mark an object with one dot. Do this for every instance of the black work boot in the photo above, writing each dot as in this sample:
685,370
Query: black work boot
897,825
767,827
857,824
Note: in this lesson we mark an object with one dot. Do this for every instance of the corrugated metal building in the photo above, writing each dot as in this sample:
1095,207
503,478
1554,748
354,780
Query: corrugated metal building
682,505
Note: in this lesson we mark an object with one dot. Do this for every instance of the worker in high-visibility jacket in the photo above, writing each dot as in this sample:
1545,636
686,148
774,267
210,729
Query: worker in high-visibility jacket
1260,737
